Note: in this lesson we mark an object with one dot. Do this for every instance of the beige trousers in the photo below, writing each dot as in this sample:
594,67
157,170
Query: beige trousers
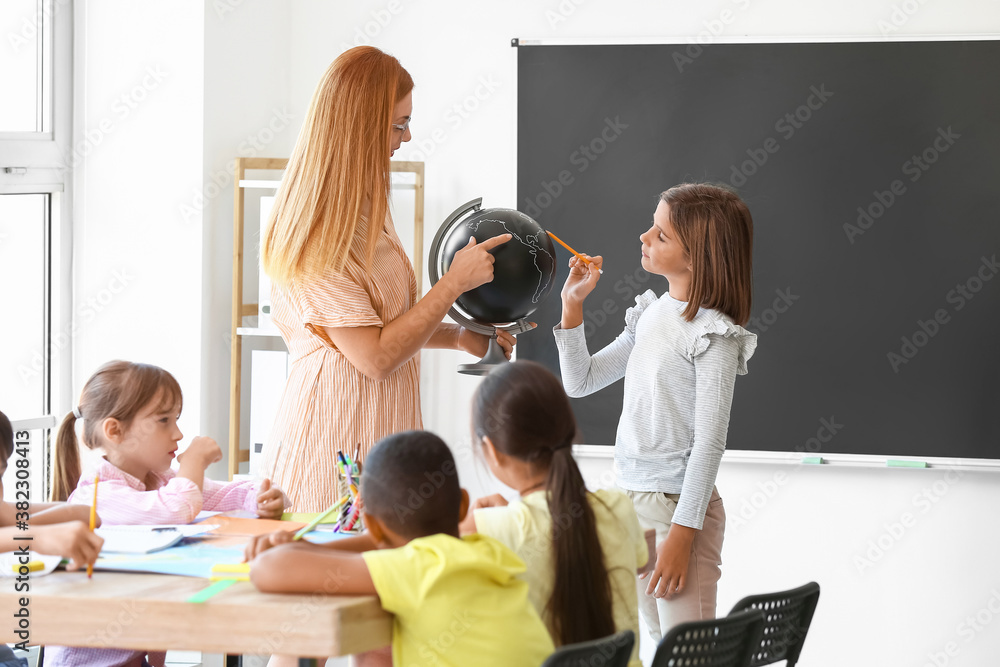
697,600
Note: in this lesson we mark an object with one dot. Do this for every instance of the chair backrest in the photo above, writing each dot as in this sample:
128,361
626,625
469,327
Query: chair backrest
787,615
613,651
720,642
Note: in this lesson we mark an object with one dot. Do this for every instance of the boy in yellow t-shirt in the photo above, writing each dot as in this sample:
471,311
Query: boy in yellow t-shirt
457,600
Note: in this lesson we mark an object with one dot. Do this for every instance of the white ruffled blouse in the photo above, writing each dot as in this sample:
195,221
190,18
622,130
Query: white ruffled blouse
679,379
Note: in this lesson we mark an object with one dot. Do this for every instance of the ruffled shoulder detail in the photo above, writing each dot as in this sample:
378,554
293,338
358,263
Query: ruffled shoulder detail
642,302
721,326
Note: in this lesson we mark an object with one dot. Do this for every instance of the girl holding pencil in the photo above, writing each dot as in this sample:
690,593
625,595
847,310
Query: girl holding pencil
129,411
680,353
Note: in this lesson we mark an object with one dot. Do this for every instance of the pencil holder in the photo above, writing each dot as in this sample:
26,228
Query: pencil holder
343,489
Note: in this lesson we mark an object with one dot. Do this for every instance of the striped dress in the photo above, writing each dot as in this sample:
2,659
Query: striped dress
328,404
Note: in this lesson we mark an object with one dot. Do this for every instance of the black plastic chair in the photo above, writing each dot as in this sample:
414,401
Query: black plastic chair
613,651
787,616
720,642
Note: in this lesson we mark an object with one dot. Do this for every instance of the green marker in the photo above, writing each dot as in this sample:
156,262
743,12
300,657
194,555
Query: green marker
206,593
812,460
898,463
315,522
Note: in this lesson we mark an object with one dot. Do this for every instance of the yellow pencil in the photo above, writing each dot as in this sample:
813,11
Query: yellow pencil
93,522
578,255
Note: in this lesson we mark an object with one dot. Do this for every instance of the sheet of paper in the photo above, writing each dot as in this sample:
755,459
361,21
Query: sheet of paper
191,559
146,539
187,560
251,527
236,514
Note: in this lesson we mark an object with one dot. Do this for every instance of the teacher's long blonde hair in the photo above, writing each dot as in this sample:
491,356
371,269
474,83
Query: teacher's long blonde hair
341,159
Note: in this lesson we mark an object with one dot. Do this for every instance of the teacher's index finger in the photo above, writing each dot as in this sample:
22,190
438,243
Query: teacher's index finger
494,241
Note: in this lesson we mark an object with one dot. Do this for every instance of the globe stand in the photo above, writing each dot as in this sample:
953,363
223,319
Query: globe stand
494,353
436,268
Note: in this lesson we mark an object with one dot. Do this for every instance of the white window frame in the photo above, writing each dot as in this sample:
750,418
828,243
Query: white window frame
33,163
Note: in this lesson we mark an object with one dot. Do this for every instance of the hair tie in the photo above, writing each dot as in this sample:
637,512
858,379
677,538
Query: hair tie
568,443
77,412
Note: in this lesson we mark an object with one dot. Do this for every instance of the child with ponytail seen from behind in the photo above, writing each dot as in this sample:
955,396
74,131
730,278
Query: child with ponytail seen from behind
581,548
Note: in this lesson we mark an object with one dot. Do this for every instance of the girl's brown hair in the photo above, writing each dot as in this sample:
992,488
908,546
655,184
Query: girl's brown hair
118,390
524,410
715,228
340,161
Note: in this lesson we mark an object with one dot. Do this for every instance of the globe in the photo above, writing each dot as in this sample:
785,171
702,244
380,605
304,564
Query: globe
524,272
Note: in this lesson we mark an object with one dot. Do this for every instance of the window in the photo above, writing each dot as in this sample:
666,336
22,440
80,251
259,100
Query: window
24,337
26,66
35,232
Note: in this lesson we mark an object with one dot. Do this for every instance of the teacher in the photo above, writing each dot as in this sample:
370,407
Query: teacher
344,293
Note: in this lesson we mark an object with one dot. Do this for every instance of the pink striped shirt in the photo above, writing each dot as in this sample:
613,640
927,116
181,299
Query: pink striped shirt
124,499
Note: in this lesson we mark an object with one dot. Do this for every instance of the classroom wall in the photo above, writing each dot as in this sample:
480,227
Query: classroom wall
248,113
138,117
907,577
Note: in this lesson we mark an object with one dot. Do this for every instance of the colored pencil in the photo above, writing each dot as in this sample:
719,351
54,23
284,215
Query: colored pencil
93,522
578,255
353,518
315,522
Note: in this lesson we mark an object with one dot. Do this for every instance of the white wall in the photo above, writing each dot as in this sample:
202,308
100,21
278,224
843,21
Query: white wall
910,607
138,105
247,114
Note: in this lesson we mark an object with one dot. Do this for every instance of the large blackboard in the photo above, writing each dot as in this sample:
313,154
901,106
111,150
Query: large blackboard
873,174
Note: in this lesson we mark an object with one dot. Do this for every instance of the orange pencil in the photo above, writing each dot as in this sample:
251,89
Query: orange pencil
93,522
578,255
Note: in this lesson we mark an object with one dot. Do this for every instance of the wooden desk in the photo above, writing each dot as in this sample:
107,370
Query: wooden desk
149,611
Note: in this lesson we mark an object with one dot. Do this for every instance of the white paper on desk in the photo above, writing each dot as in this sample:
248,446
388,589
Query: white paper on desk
236,514
10,560
147,539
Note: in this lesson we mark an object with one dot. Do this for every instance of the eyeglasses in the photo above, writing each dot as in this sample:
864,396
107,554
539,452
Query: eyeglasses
402,128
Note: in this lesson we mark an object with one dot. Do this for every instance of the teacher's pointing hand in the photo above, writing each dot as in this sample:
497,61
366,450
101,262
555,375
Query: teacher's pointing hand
472,266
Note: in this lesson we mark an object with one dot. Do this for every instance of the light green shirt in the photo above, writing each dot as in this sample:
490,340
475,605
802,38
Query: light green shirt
525,526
